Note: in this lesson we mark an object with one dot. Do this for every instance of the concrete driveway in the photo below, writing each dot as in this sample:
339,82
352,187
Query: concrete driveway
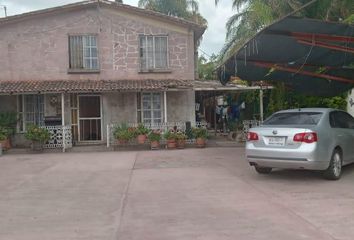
161,195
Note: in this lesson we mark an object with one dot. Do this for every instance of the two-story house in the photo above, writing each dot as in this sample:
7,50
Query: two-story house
89,64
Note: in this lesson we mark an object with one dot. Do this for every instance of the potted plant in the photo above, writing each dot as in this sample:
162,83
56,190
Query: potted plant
38,135
180,139
154,138
200,135
141,132
8,122
123,134
4,138
170,137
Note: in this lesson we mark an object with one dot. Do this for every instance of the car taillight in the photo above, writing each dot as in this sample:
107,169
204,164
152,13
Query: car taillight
251,136
309,137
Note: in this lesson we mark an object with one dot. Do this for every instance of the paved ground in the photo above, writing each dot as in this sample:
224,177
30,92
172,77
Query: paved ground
161,195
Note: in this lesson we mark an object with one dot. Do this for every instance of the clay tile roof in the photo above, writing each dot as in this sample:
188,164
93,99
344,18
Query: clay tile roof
17,87
199,29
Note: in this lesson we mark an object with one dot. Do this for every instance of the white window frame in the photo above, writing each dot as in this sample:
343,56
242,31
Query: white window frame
140,111
153,52
22,113
85,46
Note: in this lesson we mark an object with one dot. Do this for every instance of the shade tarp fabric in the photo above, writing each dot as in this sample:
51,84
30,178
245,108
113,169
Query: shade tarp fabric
310,56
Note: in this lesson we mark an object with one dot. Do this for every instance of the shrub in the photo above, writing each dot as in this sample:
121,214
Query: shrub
180,135
170,135
36,133
8,121
154,135
124,133
4,134
200,133
141,130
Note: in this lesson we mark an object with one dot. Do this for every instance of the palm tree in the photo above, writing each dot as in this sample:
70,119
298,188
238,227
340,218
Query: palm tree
254,15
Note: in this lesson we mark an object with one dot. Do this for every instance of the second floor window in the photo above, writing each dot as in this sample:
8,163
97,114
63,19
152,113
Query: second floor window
153,52
83,52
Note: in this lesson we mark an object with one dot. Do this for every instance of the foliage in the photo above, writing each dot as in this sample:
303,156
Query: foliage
206,67
180,135
154,136
188,9
254,15
4,133
200,132
124,133
8,121
170,134
281,98
141,130
37,133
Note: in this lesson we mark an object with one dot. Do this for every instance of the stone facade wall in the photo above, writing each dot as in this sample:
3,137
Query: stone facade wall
181,106
37,49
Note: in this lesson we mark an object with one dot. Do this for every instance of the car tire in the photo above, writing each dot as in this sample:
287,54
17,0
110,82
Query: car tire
334,169
263,170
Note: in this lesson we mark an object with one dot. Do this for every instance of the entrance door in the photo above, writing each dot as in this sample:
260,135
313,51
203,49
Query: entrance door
90,120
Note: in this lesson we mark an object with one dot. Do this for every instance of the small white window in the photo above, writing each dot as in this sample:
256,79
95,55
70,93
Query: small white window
150,108
153,52
30,111
83,52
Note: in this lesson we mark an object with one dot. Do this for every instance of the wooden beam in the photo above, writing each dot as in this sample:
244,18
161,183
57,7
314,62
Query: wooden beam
302,72
312,36
325,45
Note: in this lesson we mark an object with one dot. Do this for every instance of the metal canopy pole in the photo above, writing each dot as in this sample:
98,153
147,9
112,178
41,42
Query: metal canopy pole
63,119
261,103
165,105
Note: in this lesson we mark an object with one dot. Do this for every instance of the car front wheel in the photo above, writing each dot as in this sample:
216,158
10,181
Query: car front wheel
334,170
263,170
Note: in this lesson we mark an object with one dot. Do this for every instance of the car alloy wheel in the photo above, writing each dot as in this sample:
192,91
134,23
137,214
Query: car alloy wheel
334,169
337,164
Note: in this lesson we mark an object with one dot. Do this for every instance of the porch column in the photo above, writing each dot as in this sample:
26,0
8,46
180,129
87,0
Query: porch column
165,106
63,118
261,103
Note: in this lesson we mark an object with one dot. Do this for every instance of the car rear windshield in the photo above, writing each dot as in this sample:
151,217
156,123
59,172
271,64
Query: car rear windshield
294,118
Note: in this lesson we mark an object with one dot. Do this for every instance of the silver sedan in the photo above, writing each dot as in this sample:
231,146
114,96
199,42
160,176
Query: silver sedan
307,138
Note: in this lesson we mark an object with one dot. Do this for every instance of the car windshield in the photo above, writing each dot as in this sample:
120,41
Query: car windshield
294,118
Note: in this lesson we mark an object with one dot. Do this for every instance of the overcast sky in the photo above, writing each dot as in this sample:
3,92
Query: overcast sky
213,38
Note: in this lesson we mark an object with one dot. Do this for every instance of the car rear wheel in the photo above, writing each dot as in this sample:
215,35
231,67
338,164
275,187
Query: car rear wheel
263,170
334,170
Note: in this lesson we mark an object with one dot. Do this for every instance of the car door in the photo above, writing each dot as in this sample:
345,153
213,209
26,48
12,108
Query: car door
344,133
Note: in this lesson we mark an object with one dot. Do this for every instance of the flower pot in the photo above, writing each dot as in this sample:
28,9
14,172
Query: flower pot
155,145
37,146
171,144
181,144
141,139
200,142
122,141
5,144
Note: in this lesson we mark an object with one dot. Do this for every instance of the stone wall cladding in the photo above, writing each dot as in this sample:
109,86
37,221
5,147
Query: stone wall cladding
37,49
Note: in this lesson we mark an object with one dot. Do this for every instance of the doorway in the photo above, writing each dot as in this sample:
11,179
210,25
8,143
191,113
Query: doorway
90,118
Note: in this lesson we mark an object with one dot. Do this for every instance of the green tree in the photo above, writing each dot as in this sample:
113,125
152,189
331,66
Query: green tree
187,9
253,15
206,67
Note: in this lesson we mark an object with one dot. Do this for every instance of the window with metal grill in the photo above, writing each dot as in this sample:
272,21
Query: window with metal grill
83,53
153,53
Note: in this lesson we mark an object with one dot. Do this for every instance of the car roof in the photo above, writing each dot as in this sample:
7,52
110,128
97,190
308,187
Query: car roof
322,110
